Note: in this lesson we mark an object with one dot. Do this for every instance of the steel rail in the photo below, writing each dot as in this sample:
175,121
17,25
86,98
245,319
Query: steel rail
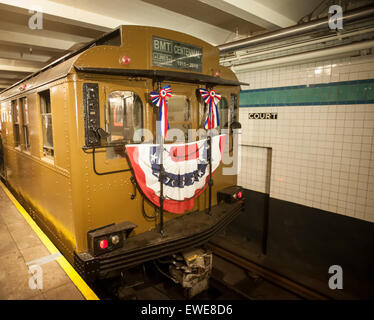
267,274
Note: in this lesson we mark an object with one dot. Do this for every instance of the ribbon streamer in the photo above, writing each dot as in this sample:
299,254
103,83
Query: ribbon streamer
159,100
211,98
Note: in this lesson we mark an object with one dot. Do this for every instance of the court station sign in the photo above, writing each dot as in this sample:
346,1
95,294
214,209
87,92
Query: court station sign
263,115
177,55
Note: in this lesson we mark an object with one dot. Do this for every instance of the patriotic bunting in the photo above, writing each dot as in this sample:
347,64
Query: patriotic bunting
211,98
186,170
159,100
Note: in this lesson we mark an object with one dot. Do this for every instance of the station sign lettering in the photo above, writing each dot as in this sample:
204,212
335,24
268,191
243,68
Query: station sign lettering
177,55
263,115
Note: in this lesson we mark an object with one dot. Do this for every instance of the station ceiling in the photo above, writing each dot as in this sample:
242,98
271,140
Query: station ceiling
69,24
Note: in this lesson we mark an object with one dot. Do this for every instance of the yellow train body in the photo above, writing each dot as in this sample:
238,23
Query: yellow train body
62,192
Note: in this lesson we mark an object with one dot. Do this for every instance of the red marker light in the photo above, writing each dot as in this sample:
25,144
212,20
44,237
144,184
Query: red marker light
240,195
125,60
103,244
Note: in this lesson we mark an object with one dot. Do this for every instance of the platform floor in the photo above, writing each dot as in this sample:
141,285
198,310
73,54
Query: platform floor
19,244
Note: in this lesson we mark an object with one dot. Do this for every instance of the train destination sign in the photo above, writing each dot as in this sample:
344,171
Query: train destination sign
177,55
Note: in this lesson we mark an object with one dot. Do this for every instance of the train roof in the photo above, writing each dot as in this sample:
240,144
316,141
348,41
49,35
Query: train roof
103,56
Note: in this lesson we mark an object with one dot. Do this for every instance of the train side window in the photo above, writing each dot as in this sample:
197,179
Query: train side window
25,122
125,115
16,129
46,118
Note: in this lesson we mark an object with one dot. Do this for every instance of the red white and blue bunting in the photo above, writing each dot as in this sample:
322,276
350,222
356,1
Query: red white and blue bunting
186,170
159,100
211,98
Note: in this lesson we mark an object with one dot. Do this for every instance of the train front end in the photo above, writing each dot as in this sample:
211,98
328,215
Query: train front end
161,135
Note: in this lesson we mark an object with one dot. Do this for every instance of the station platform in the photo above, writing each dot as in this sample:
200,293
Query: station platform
31,267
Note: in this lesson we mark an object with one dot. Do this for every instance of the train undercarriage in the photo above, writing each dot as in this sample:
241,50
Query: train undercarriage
181,243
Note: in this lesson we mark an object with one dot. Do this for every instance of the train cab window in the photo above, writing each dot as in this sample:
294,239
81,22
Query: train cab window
46,118
16,129
234,108
179,113
223,113
25,122
125,115
223,109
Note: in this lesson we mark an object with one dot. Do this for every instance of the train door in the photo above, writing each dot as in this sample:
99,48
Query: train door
187,110
182,113
2,164
3,131
227,112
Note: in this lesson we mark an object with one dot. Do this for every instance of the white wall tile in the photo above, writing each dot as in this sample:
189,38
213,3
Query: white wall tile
322,156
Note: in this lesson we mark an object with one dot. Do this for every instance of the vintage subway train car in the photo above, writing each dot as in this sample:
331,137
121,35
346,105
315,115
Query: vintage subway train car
63,132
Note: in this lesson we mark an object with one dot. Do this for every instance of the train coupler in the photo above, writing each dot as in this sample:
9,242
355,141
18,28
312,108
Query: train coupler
192,270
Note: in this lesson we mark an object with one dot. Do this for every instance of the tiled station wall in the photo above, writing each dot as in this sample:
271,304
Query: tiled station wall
318,121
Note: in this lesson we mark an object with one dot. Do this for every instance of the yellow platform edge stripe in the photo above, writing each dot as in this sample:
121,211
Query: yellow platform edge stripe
65,265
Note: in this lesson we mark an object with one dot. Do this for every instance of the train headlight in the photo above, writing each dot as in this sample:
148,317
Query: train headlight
115,239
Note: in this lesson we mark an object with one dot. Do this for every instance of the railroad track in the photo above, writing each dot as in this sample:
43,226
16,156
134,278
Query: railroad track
267,274
155,286
233,278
